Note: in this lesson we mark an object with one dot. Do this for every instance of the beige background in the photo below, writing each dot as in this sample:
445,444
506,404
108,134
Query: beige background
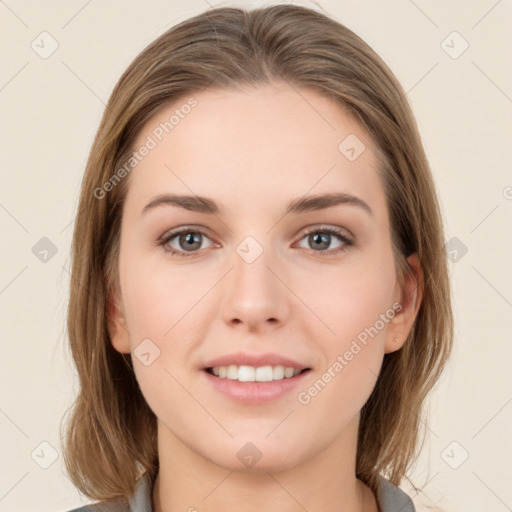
50,111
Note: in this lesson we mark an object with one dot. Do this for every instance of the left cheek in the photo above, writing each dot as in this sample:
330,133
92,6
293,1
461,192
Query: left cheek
356,305
356,351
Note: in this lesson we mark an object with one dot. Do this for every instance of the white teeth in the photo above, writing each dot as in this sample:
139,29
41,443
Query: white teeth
264,374
243,373
232,372
278,373
288,372
251,374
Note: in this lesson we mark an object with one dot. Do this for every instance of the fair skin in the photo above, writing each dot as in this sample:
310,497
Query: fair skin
253,151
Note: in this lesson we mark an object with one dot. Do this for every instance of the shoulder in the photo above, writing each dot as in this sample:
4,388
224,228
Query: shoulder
393,498
118,506
140,501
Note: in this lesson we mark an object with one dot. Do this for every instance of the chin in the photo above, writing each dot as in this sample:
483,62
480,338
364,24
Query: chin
259,454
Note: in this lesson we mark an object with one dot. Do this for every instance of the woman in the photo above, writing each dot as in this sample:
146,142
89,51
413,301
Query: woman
224,360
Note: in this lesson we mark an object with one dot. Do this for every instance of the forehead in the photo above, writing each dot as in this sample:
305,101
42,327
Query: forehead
256,142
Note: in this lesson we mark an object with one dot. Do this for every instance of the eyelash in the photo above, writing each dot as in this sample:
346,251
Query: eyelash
341,234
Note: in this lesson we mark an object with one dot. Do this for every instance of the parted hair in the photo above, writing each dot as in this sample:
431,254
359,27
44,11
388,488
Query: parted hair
110,434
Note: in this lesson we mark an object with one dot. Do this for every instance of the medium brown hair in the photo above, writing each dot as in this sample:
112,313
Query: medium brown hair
111,435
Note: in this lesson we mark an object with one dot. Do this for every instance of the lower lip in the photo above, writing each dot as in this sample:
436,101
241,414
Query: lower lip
255,392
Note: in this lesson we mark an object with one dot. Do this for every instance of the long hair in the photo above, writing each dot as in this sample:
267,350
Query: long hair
111,437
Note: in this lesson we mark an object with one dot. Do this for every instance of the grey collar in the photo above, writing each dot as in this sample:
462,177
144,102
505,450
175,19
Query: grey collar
392,498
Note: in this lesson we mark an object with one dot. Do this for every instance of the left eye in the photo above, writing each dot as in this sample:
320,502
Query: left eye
322,237
190,241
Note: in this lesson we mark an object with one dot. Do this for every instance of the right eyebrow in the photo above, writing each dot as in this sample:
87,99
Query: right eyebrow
192,203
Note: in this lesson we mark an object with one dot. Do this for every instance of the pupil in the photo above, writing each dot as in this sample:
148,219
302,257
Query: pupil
322,238
190,239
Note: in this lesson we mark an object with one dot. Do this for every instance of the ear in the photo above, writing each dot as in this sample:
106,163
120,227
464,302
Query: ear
408,300
116,325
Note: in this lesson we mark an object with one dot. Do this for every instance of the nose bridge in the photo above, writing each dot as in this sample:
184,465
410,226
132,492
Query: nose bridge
253,295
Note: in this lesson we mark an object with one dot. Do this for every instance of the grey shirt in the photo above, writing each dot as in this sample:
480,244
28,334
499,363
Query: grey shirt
393,499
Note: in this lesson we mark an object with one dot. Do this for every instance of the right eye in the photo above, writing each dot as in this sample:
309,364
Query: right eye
188,241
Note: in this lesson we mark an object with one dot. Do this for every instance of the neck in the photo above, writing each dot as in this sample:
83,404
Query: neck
325,482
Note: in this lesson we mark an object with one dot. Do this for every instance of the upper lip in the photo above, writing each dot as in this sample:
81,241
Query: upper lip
256,360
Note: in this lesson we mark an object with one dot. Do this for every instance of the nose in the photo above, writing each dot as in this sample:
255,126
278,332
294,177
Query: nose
255,297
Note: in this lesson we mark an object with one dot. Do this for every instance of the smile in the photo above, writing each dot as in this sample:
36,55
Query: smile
244,373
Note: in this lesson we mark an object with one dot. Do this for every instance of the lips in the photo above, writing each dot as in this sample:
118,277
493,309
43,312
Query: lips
254,378
246,391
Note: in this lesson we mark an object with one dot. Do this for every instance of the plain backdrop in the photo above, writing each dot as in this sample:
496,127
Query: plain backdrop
453,59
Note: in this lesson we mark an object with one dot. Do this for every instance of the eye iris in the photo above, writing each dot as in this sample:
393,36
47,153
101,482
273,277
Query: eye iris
322,238
188,240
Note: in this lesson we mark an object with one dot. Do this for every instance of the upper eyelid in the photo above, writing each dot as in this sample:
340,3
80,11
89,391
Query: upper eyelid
187,229
340,231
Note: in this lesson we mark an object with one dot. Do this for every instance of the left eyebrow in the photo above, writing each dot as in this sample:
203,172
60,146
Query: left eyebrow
320,202
301,205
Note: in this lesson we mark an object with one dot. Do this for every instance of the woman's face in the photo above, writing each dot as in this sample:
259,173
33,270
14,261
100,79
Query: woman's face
255,278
